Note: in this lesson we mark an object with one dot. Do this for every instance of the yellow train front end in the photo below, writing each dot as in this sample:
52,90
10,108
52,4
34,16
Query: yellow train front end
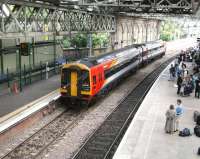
75,82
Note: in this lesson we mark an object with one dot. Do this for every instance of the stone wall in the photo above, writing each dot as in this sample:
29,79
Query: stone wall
132,30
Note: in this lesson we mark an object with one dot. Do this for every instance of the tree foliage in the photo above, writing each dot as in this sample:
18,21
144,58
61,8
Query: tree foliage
99,40
170,31
81,40
66,42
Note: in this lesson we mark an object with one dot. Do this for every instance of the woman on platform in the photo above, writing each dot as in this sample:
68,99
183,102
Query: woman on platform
170,125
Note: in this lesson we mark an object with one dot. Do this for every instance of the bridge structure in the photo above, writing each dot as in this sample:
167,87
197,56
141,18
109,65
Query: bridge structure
126,21
31,17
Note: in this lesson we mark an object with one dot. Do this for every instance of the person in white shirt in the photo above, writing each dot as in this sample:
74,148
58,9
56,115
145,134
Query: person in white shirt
179,113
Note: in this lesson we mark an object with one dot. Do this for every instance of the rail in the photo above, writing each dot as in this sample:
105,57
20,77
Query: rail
104,141
23,113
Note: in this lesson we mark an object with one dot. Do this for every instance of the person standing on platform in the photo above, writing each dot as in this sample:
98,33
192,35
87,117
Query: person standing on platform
197,87
170,120
179,83
172,73
179,112
176,64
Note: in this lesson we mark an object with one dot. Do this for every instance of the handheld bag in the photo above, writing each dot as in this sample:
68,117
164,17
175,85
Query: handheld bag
185,132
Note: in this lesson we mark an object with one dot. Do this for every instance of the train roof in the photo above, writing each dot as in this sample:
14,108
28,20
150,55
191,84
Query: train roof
119,50
89,62
92,61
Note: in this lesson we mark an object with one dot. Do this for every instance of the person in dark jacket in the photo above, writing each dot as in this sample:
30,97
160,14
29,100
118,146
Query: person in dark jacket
172,72
179,83
197,88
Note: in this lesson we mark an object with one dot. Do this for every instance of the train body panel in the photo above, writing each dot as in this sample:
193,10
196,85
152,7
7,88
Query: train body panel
97,78
86,78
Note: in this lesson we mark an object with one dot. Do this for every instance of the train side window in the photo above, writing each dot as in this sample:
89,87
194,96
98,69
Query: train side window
94,80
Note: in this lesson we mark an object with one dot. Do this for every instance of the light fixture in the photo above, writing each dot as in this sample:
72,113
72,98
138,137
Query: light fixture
5,10
76,7
90,9
139,9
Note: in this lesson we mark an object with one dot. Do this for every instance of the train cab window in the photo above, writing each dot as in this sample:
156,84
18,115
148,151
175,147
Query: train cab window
65,77
94,80
85,78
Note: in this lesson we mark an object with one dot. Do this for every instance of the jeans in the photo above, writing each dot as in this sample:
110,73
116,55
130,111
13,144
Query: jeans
179,88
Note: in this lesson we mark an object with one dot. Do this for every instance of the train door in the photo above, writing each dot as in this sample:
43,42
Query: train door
74,83
94,80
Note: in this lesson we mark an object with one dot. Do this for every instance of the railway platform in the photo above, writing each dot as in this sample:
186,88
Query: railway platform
9,103
146,139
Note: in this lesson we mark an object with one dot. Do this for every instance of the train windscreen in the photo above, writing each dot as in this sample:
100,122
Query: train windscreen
85,80
65,80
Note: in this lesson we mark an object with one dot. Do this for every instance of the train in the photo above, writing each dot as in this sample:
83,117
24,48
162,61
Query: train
89,77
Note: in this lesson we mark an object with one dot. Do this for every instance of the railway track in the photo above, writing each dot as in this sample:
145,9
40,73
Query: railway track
103,143
37,143
33,146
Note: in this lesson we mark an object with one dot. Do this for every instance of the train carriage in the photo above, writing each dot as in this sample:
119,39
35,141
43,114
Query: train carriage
86,78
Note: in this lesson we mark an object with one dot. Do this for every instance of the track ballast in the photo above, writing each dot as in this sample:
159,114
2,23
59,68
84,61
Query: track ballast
103,143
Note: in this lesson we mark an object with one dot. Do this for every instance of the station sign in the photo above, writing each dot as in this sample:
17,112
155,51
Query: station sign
25,49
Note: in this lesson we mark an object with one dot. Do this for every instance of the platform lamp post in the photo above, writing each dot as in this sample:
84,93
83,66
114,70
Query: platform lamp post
54,51
1,56
20,70
90,44
24,50
33,50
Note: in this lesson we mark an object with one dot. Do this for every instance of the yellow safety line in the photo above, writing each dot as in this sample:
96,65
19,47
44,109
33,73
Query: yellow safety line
6,117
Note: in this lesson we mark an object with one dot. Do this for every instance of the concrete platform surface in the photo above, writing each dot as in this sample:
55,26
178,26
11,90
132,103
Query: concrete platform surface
11,102
146,138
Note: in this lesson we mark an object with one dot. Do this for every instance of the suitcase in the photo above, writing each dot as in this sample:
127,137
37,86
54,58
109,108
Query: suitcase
197,131
198,120
186,91
195,115
198,152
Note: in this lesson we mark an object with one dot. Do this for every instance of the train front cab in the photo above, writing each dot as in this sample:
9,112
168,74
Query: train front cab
75,82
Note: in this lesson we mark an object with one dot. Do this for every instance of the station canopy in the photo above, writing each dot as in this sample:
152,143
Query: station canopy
128,6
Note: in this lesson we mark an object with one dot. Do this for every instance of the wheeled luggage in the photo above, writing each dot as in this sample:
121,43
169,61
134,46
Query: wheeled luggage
198,120
195,115
186,91
197,131
198,152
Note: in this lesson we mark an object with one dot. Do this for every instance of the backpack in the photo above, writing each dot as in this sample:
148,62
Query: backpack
195,115
197,131
185,132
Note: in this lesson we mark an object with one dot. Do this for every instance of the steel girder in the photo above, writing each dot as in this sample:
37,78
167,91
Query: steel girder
130,6
145,6
23,18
